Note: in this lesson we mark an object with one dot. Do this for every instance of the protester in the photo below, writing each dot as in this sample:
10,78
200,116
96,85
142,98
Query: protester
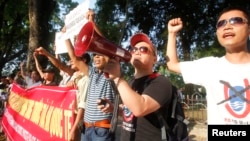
140,102
82,64
80,81
47,74
4,82
76,79
96,122
33,79
18,79
58,64
11,79
226,78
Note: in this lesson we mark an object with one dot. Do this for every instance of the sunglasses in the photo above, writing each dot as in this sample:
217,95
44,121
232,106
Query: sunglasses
235,21
142,49
94,54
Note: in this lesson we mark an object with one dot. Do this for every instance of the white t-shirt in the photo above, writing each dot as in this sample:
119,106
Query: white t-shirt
65,78
221,80
31,83
82,87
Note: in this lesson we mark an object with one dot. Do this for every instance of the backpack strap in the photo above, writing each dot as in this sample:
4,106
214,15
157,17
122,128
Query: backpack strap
166,132
165,127
114,118
174,106
150,77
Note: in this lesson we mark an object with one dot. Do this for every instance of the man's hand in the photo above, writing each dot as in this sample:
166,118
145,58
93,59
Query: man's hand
113,68
175,25
90,15
105,105
35,54
41,51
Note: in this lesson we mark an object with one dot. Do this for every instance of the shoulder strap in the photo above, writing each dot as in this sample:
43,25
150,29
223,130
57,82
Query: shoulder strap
114,118
150,78
165,127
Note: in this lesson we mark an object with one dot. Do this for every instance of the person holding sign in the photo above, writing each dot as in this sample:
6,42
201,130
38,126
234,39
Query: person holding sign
96,122
98,87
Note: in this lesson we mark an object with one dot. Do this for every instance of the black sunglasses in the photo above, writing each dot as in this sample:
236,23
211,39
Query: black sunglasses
142,49
233,21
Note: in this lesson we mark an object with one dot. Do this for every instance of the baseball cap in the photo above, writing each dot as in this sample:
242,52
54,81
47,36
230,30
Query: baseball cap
142,37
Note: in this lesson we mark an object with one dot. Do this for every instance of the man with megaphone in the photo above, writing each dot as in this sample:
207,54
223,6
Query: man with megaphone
96,122
141,98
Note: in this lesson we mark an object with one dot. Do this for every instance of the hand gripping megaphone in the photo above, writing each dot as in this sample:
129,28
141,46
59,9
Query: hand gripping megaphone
90,41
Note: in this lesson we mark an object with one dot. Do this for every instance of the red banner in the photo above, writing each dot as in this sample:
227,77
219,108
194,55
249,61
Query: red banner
39,114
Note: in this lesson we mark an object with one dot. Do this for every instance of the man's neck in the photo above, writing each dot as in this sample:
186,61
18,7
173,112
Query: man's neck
141,73
238,58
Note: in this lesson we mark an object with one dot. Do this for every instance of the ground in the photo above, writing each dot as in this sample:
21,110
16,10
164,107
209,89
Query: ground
197,131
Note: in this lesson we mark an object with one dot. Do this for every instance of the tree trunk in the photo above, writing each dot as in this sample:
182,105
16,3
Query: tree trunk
39,15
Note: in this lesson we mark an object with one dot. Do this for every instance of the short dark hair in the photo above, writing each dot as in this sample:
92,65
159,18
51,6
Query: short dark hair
86,56
12,75
240,8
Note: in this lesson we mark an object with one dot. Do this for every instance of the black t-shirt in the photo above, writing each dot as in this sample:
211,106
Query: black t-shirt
146,128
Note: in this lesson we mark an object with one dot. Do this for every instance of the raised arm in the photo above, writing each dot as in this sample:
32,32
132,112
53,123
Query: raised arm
70,49
174,26
90,15
22,70
56,62
38,66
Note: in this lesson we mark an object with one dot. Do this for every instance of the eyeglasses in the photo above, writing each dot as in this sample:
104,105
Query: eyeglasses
95,54
235,21
142,49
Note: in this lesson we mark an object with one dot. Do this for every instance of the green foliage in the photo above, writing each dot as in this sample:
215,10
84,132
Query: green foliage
14,30
121,19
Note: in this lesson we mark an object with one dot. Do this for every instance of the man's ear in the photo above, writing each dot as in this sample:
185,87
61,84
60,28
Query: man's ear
155,59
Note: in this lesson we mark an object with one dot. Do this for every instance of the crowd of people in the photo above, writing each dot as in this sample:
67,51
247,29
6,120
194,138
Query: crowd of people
223,78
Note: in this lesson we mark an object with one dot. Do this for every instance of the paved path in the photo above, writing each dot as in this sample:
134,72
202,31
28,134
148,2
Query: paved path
197,131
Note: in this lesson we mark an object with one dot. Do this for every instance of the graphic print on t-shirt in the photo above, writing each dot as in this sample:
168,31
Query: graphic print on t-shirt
128,120
238,98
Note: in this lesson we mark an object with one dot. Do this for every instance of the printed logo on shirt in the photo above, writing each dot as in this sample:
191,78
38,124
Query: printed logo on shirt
127,114
237,98
128,117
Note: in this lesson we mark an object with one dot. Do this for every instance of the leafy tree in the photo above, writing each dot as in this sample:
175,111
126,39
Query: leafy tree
38,25
13,32
121,19
20,35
